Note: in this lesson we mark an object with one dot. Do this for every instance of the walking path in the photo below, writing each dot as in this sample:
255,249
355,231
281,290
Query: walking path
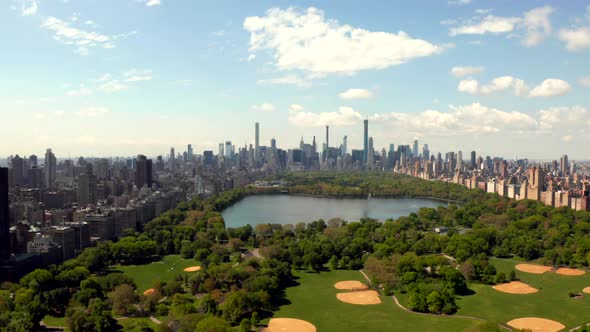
427,314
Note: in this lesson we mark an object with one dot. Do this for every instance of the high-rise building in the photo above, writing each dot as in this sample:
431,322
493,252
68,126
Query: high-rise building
327,146
415,153
257,142
190,153
425,152
221,152
172,159
17,164
4,222
473,162
87,188
344,146
564,165
228,149
50,169
143,172
366,140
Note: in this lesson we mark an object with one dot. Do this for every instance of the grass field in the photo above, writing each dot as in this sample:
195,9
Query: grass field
136,324
163,270
551,302
315,300
54,321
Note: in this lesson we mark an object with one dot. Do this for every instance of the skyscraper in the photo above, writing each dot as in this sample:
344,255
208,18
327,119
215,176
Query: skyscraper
563,165
415,152
366,141
327,147
473,162
87,187
143,172
257,142
17,171
228,149
344,146
172,159
4,222
50,169
189,152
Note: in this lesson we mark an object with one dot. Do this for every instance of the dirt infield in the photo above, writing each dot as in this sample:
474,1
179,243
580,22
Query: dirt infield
362,298
531,268
352,285
586,290
149,291
536,324
192,269
288,325
570,272
515,287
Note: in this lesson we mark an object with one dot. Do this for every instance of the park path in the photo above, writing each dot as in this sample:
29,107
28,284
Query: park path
155,320
427,314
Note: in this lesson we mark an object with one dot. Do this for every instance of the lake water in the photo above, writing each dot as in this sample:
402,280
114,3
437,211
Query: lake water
285,209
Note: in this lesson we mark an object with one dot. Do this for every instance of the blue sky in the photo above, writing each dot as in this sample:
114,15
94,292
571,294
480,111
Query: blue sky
122,77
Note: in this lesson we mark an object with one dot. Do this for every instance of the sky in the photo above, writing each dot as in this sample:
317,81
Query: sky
124,77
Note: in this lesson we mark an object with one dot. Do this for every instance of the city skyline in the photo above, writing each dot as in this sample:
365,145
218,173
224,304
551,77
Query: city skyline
164,79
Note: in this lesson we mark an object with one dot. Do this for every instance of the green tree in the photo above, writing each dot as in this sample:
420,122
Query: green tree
213,324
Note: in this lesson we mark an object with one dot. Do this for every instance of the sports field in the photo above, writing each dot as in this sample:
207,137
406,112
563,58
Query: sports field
163,270
314,300
550,302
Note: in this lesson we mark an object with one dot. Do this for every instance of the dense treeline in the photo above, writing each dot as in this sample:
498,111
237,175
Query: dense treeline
235,287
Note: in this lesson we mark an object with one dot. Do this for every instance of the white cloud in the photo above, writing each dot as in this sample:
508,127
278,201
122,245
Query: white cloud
59,113
562,117
80,39
308,41
551,87
459,2
286,80
585,81
537,25
531,28
113,86
295,107
460,120
264,107
460,71
93,112
29,7
138,75
80,92
151,3
501,83
251,57
345,116
575,39
356,94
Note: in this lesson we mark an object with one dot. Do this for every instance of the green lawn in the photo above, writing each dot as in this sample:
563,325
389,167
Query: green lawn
136,324
551,302
164,270
314,300
54,321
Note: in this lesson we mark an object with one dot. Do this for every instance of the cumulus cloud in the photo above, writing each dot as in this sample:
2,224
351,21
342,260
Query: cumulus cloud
551,87
575,39
306,40
286,80
151,3
356,94
460,71
264,107
501,83
532,27
567,117
460,120
345,116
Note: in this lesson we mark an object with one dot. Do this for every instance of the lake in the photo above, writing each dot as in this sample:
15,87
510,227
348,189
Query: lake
286,209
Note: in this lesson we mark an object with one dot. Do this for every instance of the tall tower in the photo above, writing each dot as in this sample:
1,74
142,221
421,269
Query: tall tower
564,165
415,148
257,142
87,187
172,159
344,146
327,149
4,222
143,172
366,141
50,169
